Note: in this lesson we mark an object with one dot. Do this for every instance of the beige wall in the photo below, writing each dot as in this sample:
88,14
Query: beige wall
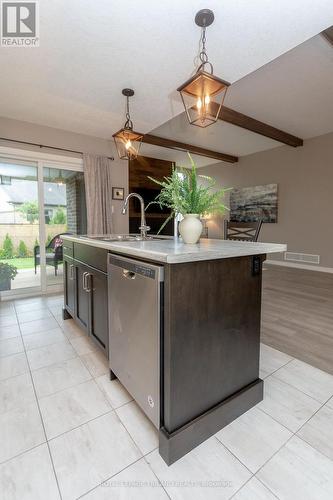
305,182
24,131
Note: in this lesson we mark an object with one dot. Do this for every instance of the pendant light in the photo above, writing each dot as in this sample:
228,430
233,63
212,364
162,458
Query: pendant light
127,141
203,94
59,180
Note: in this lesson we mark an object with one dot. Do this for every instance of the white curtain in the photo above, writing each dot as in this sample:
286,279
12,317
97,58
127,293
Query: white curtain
98,186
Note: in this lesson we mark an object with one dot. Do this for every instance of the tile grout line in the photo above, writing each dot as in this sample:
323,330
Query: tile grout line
252,474
66,341
151,469
233,454
238,460
275,420
22,453
282,366
293,434
69,387
108,479
105,480
18,375
129,465
36,319
66,388
143,456
81,425
52,364
74,428
112,409
293,386
268,488
300,390
41,417
246,482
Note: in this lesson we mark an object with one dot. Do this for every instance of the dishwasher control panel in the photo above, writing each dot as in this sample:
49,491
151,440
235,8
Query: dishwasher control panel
147,271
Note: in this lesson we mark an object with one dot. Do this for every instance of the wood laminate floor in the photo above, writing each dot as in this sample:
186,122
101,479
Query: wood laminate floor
297,314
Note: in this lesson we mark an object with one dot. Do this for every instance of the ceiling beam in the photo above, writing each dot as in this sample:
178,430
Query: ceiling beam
180,146
328,34
235,118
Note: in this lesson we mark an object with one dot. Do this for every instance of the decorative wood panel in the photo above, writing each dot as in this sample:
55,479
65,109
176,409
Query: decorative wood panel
140,170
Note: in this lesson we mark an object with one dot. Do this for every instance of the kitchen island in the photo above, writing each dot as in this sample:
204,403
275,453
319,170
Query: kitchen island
203,358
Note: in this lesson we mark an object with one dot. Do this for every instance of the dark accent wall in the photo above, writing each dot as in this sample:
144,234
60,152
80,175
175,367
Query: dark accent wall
138,182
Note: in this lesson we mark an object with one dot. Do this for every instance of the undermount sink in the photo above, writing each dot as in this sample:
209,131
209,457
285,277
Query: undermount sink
123,237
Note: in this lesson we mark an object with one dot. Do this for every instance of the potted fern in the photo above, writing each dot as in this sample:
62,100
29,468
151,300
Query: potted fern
183,194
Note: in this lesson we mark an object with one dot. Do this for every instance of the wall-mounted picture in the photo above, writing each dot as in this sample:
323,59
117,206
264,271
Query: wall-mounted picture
256,202
117,193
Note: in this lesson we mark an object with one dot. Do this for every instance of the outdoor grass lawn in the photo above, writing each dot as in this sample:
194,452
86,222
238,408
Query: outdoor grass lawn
20,262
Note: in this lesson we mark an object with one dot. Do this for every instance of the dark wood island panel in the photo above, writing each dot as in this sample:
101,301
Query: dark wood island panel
210,349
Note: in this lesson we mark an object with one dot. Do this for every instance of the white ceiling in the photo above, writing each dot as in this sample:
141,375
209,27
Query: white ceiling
90,50
294,93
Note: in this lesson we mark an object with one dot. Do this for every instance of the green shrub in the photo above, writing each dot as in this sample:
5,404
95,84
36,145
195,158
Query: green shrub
36,243
7,251
59,217
22,250
30,210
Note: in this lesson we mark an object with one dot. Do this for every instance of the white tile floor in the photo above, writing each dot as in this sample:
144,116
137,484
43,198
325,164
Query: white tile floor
68,432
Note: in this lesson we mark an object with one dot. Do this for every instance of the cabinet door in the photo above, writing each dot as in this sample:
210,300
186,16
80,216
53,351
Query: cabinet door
98,286
82,296
69,285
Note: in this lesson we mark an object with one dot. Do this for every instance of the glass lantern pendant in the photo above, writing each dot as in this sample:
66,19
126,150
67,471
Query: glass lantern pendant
204,93
127,141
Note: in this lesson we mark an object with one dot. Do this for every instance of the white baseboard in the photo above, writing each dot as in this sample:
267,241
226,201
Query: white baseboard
296,265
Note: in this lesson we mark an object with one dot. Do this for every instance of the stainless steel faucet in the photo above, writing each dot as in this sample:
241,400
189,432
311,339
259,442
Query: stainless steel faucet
143,227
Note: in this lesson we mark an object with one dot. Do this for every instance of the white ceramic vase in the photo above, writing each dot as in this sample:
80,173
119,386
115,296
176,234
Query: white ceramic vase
190,228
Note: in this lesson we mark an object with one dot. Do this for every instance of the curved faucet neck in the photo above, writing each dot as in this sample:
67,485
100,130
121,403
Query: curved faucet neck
143,226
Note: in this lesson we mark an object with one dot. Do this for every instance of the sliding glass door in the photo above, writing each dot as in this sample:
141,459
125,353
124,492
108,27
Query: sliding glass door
39,201
64,212
19,225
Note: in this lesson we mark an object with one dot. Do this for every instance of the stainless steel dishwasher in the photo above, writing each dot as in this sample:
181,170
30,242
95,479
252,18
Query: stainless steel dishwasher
135,303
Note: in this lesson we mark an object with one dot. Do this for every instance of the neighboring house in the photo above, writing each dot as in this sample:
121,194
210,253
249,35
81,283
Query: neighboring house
15,192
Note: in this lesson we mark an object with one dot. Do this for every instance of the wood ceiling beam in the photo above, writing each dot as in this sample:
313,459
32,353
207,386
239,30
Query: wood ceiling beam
328,34
154,140
235,118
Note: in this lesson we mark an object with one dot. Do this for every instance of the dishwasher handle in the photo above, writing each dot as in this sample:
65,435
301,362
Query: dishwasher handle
134,269
130,275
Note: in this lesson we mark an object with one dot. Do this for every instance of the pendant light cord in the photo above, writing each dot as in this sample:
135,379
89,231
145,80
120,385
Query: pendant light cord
128,124
203,53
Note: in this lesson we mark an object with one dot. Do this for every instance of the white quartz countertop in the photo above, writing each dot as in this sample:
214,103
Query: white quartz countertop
173,251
